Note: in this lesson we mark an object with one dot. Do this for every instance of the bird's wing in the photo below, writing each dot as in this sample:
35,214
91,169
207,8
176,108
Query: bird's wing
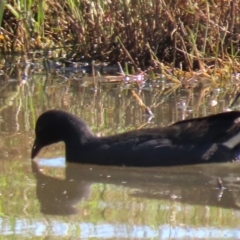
219,128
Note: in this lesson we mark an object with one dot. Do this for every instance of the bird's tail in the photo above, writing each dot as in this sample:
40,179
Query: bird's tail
233,141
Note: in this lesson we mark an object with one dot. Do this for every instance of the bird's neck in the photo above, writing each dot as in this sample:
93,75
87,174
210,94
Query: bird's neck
79,147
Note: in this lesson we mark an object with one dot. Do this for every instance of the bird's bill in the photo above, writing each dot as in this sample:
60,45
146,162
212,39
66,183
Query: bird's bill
35,149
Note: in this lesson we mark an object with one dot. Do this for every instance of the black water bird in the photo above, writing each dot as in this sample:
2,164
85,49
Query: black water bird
214,138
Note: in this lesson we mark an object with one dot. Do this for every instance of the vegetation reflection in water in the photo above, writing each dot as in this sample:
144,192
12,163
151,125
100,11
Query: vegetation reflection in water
181,202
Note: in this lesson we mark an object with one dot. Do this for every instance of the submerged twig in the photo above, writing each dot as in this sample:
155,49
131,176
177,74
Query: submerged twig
140,102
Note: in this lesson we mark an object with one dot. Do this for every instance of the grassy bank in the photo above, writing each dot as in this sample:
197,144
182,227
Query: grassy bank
188,34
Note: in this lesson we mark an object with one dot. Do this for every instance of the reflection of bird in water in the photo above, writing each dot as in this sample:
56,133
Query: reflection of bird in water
58,196
194,185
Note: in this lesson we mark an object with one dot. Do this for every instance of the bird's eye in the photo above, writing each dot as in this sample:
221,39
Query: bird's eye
38,129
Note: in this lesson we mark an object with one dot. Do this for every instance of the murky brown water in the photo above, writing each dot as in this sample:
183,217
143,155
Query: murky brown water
46,199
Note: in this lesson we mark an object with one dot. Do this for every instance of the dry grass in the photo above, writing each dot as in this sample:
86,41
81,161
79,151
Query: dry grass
186,34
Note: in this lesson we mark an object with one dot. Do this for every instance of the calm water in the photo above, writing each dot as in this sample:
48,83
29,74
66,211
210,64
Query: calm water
45,199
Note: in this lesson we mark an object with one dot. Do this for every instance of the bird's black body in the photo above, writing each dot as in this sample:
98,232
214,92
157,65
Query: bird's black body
214,138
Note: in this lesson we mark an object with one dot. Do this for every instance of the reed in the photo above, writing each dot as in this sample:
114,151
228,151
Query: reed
192,35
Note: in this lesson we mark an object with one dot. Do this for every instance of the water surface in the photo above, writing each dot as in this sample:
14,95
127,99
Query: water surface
47,199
